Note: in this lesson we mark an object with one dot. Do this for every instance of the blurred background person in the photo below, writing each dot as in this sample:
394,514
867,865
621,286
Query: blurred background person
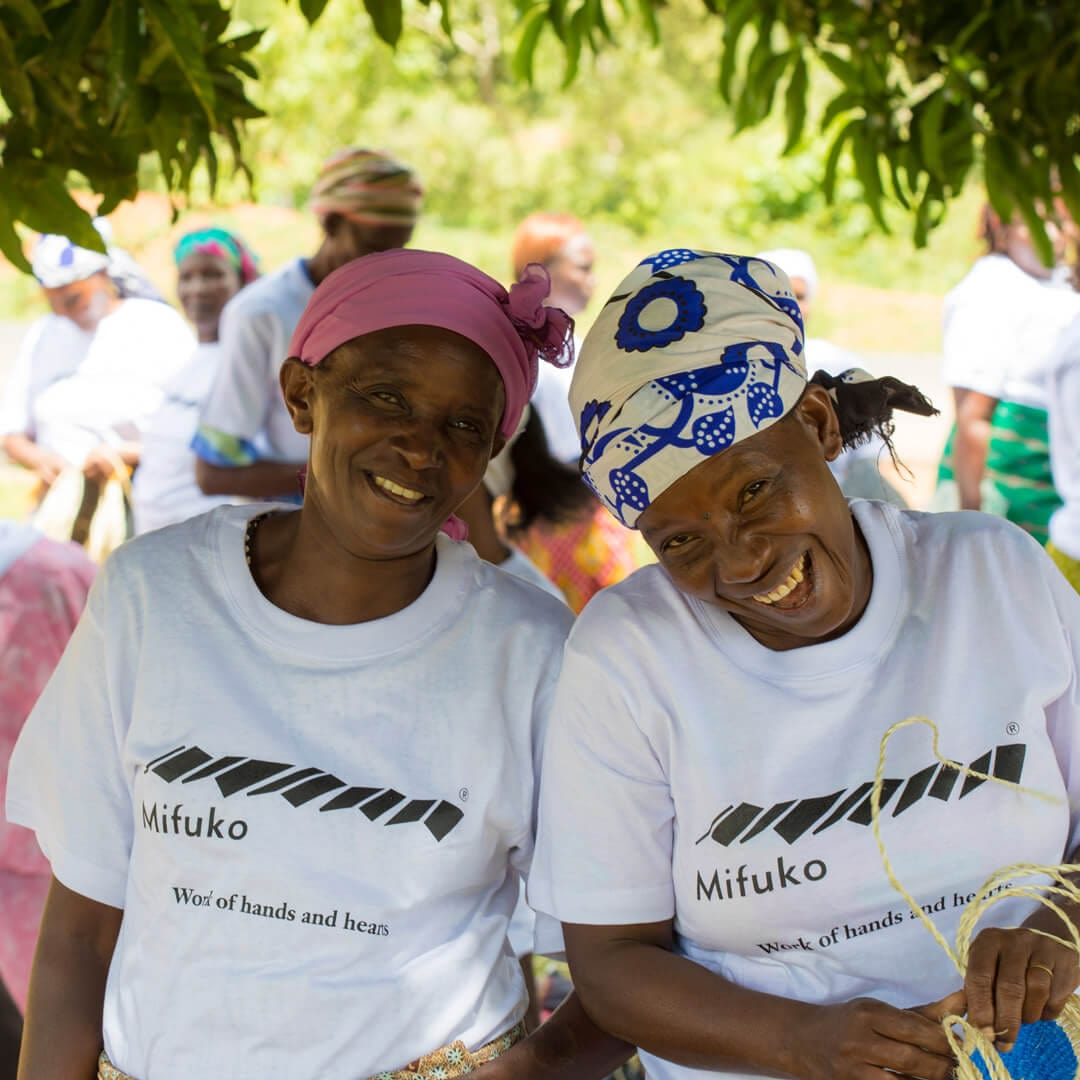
561,245
1064,427
85,382
1001,326
365,201
43,587
856,469
212,266
522,480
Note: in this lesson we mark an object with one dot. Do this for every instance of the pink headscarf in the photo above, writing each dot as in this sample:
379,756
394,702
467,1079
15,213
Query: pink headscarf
425,288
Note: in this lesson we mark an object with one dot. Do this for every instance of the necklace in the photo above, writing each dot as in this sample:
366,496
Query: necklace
249,533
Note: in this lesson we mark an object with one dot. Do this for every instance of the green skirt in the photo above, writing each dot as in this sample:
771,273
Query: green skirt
1017,483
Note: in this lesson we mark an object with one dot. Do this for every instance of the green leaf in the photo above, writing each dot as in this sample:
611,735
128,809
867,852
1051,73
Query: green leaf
922,217
86,20
10,244
312,9
795,104
897,185
930,114
1040,239
832,162
386,17
996,176
844,102
868,172
175,22
14,81
648,14
576,29
735,22
126,50
1069,178
532,24
844,70
29,15
47,206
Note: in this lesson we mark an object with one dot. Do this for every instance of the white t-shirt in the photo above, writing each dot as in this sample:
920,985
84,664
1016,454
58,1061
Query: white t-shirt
110,391
316,833
1064,423
51,349
164,490
551,399
521,566
1000,329
244,419
690,772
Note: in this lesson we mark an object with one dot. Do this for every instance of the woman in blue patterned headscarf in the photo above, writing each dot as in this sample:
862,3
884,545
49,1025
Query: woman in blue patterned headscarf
704,820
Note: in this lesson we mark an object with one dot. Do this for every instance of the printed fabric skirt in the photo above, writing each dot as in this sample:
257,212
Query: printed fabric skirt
1017,483
451,1061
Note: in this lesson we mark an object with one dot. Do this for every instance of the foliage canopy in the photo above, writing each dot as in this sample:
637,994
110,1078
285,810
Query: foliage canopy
922,93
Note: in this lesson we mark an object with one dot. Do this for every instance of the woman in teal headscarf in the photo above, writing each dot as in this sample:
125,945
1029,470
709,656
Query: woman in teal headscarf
212,266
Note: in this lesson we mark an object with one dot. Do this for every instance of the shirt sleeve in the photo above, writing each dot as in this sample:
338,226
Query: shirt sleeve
978,343
605,839
237,407
66,781
15,408
1063,715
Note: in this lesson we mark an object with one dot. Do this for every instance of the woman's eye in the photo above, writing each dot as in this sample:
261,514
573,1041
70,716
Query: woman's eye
673,543
751,490
383,397
463,424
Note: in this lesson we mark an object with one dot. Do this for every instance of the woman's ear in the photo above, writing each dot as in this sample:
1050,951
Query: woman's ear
297,387
818,414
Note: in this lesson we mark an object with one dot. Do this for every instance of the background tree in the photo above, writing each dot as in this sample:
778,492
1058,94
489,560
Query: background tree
912,96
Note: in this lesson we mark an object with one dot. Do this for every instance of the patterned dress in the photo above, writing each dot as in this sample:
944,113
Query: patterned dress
581,557
42,592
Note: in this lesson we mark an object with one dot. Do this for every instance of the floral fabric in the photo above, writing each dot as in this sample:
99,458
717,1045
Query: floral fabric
449,1062
42,594
583,556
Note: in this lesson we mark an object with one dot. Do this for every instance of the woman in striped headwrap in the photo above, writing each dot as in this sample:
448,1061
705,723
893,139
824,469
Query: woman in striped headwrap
365,201
706,801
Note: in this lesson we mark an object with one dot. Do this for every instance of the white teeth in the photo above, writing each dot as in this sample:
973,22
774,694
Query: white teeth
397,489
795,577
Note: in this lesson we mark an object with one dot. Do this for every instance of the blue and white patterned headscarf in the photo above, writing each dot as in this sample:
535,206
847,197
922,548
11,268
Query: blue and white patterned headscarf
694,352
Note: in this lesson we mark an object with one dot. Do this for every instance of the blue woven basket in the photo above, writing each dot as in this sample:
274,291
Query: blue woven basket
1043,1051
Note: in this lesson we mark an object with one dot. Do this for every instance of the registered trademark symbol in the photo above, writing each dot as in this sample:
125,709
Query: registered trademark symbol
1012,728
463,794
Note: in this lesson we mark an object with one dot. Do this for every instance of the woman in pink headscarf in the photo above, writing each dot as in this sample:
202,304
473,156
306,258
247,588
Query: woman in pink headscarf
286,772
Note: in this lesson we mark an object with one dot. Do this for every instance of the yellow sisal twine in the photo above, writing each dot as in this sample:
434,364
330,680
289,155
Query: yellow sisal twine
965,1039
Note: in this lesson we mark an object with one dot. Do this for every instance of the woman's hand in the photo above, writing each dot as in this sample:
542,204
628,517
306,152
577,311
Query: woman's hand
866,1039
99,465
1016,976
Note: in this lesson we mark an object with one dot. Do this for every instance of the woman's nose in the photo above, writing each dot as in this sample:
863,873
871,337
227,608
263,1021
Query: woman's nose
741,561
418,442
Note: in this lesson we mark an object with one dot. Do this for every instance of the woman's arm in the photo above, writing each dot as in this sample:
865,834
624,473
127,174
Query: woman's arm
24,451
634,986
569,1046
263,480
974,414
62,1034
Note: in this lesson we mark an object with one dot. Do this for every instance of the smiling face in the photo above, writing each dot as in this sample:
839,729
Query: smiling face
204,284
402,425
763,531
85,302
